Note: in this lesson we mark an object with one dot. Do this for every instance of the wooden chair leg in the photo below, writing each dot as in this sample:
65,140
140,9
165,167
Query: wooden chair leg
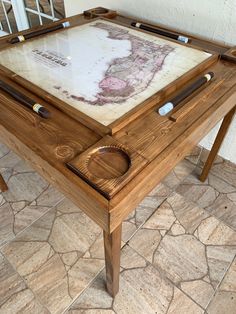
3,185
112,245
217,144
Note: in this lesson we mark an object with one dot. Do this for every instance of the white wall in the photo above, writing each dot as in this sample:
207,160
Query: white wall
215,20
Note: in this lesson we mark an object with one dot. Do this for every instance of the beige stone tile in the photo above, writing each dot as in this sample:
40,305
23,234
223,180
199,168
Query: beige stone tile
96,311
199,290
182,304
224,301
145,242
142,290
177,229
27,216
15,297
162,219
204,155
232,197
19,212
224,208
150,204
23,302
128,230
194,155
49,283
22,167
144,211
215,195
50,197
180,172
24,187
195,249
219,259
82,273
96,250
73,232
10,281
229,282
40,230
18,206
187,214
3,150
9,160
194,191
220,185
211,231
51,255
6,223
223,169
181,258
95,297
131,259
2,200
29,197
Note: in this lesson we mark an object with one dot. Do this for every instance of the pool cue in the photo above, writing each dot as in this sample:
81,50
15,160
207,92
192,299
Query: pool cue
180,38
26,101
22,38
170,105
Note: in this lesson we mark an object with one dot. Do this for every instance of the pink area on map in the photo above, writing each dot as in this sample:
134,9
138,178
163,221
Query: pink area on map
112,83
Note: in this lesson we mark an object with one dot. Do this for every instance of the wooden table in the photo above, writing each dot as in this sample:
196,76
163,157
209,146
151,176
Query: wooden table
107,170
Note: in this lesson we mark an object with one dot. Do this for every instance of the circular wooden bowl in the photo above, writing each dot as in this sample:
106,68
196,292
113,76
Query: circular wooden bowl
233,52
108,163
99,11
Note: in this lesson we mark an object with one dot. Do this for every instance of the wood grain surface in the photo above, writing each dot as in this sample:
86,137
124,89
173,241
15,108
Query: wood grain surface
125,167
112,247
3,185
108,166
217,144
230,55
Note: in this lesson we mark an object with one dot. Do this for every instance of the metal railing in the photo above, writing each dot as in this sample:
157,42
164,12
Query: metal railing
21,14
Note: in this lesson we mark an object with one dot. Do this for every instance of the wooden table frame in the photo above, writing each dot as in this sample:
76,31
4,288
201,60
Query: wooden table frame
48,145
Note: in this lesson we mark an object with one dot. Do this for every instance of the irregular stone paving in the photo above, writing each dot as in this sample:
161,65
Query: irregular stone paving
178,254
28,198
215,195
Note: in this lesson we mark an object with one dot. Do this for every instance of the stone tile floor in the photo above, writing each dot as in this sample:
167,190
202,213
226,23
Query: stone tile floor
178,255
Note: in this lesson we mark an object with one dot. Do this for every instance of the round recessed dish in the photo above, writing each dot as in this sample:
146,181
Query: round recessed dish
233,52
108,163
100,11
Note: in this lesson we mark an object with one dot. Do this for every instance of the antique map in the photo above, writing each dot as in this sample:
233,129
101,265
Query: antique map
101,68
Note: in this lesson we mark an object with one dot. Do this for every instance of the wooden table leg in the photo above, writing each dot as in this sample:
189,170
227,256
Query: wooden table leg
3,185
112,245
217,144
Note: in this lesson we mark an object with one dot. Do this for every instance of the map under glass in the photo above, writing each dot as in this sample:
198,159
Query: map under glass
101,68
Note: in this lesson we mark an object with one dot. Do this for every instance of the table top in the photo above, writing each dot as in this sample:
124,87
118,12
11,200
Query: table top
102,68
108,162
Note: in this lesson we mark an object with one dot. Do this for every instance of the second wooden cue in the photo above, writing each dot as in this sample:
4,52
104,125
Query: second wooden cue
26,101
170,105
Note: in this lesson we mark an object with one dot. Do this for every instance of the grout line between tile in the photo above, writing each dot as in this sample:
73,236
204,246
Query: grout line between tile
218,286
